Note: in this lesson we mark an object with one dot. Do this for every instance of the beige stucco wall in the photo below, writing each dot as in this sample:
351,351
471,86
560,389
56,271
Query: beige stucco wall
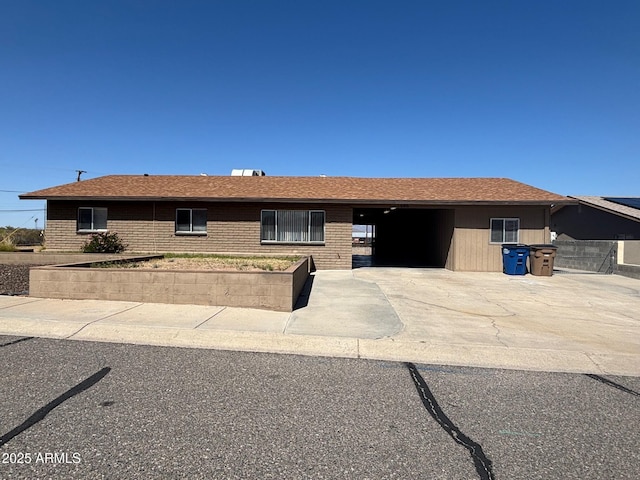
231,228
629,252
267,290
472,250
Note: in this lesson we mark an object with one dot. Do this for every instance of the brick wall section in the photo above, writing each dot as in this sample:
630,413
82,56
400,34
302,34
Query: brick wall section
590,255
231,228
632,271
267,290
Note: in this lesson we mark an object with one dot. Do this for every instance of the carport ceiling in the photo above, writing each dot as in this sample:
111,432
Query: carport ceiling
371,215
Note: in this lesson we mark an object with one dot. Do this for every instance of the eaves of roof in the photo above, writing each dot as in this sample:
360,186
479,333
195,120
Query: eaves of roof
397,203
604,205
342,190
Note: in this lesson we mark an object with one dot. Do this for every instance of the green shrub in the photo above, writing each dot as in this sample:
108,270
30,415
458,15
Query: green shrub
104,243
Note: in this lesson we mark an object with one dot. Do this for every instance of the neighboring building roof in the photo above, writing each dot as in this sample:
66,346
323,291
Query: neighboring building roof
615,208
410,191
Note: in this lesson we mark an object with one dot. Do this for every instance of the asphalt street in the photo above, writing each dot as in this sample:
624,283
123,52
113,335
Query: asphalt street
98,410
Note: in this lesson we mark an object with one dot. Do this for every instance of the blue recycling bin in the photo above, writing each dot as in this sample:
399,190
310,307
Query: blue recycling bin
514,258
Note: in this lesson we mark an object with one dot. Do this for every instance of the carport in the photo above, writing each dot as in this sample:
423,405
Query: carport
408,236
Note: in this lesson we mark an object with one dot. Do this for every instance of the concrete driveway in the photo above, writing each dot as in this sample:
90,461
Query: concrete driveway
494,319
565,323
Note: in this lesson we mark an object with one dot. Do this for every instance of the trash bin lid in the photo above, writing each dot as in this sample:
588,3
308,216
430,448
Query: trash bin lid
544,245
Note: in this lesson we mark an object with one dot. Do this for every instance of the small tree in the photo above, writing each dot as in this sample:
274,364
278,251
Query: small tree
104,243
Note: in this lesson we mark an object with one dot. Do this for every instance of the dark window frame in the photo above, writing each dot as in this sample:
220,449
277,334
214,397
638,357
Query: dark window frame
503,230
93,228
192,228
272,233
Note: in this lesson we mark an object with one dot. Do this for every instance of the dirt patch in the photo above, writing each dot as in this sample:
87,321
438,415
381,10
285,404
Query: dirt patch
243,264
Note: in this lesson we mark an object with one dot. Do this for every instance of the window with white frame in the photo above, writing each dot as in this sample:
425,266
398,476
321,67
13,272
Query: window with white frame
191,221
505,230
91,219
292,226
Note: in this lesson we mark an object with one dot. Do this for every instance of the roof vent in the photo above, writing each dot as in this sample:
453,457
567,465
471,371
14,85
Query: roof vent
245,172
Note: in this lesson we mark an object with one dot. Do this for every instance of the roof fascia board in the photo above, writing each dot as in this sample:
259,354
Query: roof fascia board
607,210
388,202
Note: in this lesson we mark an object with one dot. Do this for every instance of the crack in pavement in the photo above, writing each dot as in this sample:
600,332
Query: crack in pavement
483,465
613,384
483,315
42,412
211,317
24,339
498,332
102,318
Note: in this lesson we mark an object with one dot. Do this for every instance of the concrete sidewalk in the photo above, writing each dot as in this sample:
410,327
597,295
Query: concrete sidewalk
565,323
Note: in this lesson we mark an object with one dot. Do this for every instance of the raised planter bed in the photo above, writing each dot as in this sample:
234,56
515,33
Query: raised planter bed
268,290
54,258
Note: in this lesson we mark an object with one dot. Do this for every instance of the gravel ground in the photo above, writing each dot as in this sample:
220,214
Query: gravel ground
14,279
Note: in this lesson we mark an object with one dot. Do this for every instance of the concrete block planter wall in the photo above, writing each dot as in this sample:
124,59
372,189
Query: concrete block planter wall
52,258
268,290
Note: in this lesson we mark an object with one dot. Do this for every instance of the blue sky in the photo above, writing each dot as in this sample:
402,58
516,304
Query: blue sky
545,92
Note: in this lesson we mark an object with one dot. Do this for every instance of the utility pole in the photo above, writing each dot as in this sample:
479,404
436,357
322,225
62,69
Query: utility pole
80,172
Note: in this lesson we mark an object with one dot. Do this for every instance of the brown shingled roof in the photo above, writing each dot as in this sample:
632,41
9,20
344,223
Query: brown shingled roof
301,189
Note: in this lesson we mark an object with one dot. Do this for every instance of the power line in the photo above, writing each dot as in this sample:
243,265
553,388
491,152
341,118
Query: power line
47,167
59,169
29,210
